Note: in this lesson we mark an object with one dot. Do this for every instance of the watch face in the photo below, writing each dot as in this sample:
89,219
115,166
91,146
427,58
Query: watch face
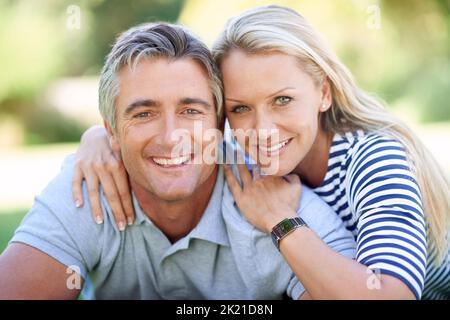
286,226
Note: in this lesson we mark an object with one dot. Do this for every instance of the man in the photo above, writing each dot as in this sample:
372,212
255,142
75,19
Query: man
188,241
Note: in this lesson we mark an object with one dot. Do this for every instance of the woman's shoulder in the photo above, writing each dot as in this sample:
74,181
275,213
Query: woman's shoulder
360,145
359,139
376,163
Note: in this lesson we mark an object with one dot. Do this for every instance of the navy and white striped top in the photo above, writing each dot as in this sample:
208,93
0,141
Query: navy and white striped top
370,186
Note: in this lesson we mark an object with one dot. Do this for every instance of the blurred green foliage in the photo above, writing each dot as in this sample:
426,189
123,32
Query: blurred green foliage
406,61
38,46
9,222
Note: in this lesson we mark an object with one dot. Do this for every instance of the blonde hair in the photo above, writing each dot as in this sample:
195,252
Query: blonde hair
276,28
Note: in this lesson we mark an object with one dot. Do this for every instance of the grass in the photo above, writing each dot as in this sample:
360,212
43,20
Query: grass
9,221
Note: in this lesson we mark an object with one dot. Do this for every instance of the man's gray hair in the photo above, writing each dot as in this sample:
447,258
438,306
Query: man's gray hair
153,40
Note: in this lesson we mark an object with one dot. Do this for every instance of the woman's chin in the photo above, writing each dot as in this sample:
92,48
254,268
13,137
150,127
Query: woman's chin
278,169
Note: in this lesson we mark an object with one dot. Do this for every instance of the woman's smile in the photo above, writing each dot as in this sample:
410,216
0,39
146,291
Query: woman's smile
271,150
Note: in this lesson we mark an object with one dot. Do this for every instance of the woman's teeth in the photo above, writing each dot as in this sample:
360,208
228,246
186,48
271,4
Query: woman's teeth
275,147
171,161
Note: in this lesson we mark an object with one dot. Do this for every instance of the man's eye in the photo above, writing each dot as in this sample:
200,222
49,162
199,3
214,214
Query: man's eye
283,100
192,111
239,109
142,115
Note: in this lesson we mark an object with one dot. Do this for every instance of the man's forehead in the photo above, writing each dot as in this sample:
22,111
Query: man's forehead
177,67
167,79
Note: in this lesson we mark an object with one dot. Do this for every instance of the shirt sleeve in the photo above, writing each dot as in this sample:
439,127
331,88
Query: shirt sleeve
384,195
328,226
56,227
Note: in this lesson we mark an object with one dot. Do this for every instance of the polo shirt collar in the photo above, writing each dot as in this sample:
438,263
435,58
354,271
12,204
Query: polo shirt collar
211,226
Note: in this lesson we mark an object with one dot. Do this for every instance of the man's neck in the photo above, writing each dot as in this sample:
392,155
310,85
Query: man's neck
176,218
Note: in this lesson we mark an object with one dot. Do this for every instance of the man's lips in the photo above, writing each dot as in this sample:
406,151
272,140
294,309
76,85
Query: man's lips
171,162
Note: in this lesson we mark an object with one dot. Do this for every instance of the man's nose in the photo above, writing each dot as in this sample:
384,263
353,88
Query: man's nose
167,130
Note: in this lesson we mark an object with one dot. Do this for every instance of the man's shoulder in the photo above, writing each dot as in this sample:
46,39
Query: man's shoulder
320,217
57,204
57,195
59,189
55,226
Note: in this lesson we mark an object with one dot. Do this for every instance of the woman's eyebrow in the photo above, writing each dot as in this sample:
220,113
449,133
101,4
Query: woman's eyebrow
231,99
281,90
269,96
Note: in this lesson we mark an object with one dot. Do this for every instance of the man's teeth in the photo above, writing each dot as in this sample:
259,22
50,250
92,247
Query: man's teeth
275,147
171,161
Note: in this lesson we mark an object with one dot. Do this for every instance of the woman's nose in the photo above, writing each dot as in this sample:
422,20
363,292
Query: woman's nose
264,126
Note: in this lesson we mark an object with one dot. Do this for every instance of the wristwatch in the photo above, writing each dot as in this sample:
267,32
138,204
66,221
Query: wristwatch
285,227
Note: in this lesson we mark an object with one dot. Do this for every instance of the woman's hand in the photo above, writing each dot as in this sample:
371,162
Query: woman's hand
97,164
264,200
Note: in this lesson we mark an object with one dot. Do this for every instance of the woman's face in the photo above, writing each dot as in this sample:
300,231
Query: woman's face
272,96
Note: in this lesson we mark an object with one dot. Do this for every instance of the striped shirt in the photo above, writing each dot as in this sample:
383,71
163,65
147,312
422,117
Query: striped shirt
370,186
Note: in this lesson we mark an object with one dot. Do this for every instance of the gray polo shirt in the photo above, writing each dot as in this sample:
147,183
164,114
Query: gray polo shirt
223,257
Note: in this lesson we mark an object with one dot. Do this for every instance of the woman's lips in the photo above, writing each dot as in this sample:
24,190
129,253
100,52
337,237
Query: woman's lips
273,150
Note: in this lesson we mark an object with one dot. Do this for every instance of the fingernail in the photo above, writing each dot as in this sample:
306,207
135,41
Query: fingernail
99,220
130,221
77,203
121,226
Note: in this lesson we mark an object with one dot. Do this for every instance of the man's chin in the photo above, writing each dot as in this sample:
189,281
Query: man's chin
173,194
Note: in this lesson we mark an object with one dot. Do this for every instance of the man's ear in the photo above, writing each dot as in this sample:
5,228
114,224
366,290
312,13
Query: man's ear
112,135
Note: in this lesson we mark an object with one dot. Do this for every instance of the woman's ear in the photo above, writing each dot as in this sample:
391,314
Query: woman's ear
112,136
326,96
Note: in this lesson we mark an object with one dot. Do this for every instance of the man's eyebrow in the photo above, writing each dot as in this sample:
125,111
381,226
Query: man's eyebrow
200,101
140,103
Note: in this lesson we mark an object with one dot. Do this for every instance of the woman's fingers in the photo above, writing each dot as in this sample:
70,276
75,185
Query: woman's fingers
292,178
94,196
120,177
256,172
233,184
112,196
77,186
244,173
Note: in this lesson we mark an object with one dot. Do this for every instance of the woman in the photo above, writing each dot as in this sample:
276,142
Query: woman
368,166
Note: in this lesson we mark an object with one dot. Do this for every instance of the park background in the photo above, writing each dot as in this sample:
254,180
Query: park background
51,52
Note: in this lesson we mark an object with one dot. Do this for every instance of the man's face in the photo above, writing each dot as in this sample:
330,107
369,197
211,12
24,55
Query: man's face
157,99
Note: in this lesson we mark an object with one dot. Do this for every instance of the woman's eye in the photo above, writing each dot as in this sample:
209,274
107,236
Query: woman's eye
239,109
283,100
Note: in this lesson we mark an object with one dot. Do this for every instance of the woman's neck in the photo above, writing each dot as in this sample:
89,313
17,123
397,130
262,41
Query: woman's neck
313,168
